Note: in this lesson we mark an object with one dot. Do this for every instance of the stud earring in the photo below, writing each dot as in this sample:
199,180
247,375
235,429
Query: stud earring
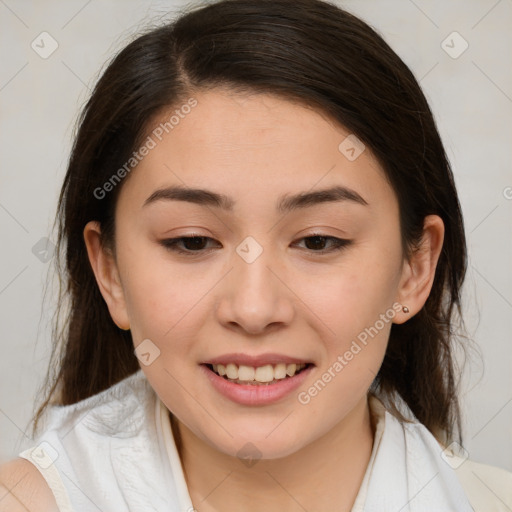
405,309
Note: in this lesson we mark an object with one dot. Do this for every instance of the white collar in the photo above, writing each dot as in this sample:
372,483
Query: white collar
406,472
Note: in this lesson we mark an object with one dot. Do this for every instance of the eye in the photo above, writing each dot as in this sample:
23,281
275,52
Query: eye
195,245
317,242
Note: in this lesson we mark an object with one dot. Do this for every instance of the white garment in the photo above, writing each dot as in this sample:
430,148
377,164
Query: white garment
115,452
110,453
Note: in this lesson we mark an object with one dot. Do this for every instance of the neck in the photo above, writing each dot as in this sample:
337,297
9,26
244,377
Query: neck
328,470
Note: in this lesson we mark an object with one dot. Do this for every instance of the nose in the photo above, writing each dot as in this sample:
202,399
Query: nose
255,297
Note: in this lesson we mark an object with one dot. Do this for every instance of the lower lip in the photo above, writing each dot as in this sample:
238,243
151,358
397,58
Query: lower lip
254,394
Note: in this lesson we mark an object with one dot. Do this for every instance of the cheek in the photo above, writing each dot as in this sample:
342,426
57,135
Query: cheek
354,302
159,295
352,295
357,314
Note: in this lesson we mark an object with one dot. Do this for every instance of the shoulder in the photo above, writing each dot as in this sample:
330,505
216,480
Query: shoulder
110,412
488,488
75,439
23,488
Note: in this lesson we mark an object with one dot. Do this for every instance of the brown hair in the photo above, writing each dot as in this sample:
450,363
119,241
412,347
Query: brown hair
308,51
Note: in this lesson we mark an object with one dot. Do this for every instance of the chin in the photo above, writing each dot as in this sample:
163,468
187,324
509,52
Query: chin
257,441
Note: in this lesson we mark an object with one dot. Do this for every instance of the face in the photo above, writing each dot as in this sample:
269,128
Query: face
268,281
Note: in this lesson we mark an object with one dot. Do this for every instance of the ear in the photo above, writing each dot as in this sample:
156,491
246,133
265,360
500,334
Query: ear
105,270
419,270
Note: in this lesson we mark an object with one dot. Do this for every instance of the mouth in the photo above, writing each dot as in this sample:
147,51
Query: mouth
256,380
265,375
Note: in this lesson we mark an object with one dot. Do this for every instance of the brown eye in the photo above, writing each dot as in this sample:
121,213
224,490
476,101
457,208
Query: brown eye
195,245
317,243
191,244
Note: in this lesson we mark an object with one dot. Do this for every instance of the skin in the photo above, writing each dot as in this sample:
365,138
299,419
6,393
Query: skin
291,299
23,488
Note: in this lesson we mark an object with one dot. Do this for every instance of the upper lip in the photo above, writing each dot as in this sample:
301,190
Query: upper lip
256,360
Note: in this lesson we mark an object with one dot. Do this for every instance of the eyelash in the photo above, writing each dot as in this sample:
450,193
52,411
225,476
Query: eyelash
172,244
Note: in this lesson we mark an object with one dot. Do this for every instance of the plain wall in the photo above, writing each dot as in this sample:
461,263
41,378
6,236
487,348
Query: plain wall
471,97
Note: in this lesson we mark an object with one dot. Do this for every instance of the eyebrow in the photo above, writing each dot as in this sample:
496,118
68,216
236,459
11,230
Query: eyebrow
285,203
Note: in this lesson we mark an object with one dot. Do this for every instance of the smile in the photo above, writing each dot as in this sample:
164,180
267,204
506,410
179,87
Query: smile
257,385
266,374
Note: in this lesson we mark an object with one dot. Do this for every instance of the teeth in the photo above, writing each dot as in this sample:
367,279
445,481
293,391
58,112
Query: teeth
247,373
232,371
291,369
280,371
264,374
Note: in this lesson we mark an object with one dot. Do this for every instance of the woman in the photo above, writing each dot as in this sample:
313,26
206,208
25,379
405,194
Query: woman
265,252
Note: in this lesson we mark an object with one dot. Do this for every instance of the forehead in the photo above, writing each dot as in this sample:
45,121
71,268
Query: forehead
251,145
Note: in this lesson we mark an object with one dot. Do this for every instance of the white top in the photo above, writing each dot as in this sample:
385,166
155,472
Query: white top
115,452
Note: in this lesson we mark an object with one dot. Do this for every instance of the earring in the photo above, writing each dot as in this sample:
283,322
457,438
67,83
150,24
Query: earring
405,309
